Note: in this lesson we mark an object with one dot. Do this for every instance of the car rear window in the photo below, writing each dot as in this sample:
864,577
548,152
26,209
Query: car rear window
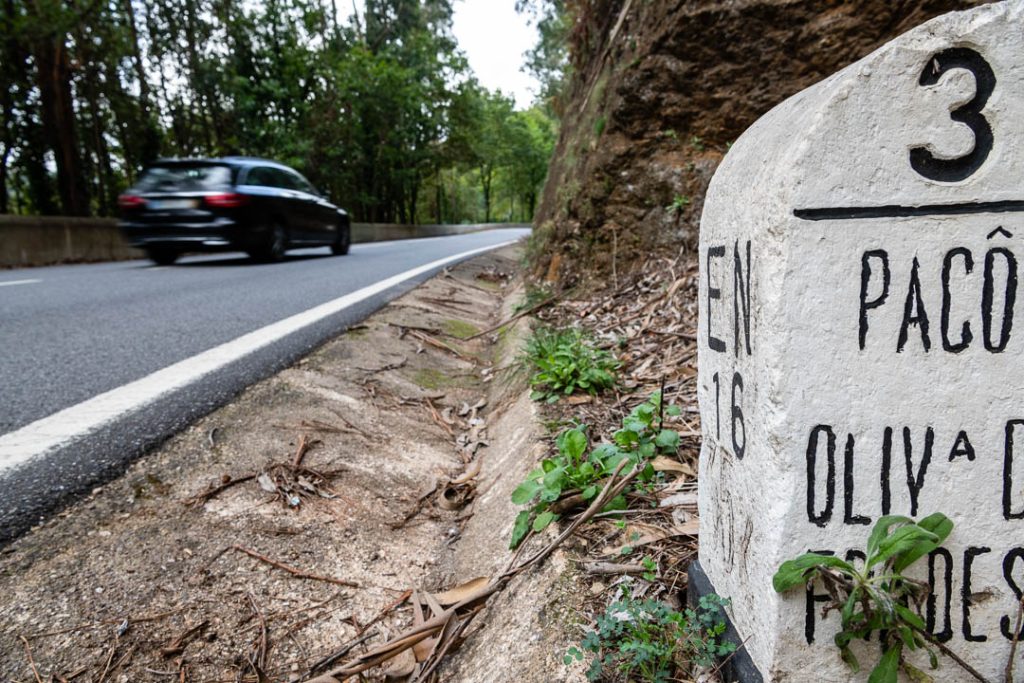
184,177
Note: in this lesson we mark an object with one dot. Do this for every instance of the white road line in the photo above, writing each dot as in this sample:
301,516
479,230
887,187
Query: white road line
36,439
18,282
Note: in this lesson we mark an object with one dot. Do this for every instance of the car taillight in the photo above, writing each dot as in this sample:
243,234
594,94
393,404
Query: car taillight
226,200
130,201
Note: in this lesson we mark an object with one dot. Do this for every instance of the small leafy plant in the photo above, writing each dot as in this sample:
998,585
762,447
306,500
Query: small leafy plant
877,596
679,202
567,361
534,296
643,639
572,471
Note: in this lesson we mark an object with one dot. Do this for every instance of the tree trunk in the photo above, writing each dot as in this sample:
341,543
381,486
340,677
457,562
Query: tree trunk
140,69
485,184
53,75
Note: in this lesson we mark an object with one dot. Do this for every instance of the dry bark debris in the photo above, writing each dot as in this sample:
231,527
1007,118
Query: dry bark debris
290,482
651,322
452,611
136,569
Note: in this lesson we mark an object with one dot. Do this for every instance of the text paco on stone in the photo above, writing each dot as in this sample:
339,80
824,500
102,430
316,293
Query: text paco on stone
861,350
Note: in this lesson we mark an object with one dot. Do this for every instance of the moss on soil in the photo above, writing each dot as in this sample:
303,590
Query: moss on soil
459,328
432,379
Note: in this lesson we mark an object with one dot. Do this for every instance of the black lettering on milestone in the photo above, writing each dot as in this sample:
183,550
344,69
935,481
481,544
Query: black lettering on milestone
965,330
812,600
714,343
913,312
946,634
1009,297
1008,445
865,279
961,447
915,482
965,594
848,516
886,468
739,446
740,296
1005,621
821,518
962,167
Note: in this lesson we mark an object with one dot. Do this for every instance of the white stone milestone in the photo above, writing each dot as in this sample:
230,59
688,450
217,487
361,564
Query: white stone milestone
858,342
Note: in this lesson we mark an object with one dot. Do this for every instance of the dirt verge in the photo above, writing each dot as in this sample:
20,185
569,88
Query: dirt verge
280,527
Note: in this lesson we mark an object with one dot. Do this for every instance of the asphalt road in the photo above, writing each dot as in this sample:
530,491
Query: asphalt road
101,362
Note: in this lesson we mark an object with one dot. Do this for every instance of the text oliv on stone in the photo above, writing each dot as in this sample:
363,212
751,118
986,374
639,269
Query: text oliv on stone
859,349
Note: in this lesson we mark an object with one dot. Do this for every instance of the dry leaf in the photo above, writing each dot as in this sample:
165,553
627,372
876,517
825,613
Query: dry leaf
462,591
665,464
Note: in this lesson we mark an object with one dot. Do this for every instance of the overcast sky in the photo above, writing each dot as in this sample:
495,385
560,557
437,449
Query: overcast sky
494,38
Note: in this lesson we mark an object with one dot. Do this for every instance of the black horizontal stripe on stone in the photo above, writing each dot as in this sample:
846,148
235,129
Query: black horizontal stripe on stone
838,213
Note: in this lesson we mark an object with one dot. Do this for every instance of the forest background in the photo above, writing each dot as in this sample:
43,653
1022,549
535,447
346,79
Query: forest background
379,109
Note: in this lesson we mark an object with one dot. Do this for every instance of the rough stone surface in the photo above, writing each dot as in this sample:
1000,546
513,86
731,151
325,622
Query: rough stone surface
659,90
836,353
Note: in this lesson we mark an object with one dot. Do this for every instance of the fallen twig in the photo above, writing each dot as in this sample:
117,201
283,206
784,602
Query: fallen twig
292,570
1008,676
447,625
260,648
325,662
31,662
108,622
437,343
206,496
517,316
177,646
614,568
304,445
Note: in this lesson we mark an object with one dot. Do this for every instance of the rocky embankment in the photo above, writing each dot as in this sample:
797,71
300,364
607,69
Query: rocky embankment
659,92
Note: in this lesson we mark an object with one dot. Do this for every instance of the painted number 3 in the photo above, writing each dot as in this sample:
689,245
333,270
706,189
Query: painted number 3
960,168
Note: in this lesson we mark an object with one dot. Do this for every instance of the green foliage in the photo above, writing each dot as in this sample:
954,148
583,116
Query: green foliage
697,143
578,469
548,60
380,112
679,202
533,296
599,125
642,639
877,596
566,361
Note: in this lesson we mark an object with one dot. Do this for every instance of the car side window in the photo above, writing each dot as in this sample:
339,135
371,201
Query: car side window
307,186
283,179
259,176
300,183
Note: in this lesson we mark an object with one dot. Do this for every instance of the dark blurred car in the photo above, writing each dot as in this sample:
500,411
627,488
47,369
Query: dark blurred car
234,203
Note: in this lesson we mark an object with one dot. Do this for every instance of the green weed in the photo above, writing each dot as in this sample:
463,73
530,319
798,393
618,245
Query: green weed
566,361
697,143
679,202
641,639
877,596
573,470
533,296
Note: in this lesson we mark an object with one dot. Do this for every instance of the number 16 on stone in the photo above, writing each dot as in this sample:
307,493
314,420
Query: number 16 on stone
859,355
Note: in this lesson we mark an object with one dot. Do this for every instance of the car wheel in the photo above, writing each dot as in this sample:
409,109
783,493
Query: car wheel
275,246
162,257
342,241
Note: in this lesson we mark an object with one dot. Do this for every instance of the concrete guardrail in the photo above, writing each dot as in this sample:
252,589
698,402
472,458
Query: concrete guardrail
43,240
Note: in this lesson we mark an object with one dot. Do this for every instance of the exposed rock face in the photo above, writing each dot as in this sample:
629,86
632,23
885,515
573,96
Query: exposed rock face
661,89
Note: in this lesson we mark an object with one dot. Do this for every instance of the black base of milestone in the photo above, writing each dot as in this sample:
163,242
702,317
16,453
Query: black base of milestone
738,667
